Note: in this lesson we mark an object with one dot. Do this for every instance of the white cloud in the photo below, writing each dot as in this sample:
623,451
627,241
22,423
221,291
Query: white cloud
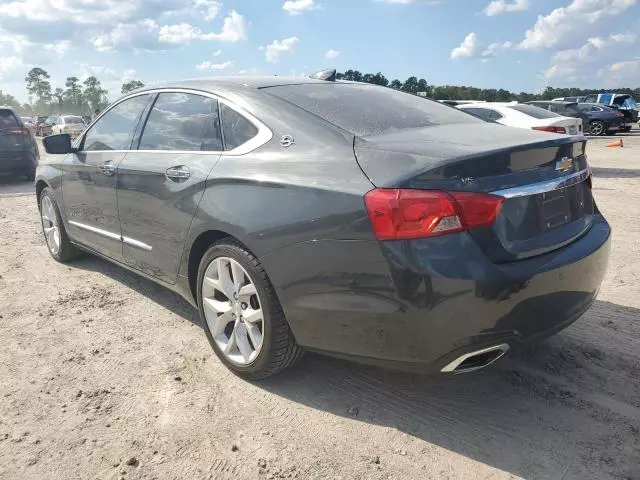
217,53
148,35
206,65
209,8
297,7
234,29
497,7
116,24
277,48
332,53
578,64
466,49
494,48
567,27
129,74
9,65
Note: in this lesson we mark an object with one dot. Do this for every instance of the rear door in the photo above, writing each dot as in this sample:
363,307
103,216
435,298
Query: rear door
89,181
161,180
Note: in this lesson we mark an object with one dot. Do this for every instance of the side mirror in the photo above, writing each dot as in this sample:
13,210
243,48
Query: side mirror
58,144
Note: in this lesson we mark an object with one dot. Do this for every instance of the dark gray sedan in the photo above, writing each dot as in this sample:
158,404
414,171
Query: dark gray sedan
345,218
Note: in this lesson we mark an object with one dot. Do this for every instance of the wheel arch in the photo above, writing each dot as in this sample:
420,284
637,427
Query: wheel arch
40,186
197,250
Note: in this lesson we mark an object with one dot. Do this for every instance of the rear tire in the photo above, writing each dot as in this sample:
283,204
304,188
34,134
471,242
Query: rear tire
55,236
597,128
268,346
625,129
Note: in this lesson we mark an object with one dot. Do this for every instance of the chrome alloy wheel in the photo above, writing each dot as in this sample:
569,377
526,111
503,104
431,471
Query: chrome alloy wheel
596,128
233,310
50,225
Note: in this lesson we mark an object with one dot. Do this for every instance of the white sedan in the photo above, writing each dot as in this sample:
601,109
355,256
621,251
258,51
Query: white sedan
71,124
524,116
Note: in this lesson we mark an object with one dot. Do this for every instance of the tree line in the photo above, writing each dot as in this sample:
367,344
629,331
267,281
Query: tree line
77,97
84,97
420,86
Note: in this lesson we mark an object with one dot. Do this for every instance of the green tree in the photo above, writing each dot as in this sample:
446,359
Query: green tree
73,93
410,85
131,85
8,100
94,94
396,84
38,84
58,97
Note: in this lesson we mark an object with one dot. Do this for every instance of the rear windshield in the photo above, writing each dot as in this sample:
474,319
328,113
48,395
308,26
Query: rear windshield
70,119
367,110
533,111
8,120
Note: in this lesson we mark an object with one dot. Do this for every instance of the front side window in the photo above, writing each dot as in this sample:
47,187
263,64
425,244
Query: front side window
237,129
481,113
115,129
182,121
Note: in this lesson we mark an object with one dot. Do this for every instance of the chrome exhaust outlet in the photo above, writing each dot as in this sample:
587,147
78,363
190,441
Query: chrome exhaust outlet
476,360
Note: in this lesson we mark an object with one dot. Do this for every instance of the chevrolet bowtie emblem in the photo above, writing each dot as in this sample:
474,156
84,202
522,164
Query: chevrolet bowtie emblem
564,164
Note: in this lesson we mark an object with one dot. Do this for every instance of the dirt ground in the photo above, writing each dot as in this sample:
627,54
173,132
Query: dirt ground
104,375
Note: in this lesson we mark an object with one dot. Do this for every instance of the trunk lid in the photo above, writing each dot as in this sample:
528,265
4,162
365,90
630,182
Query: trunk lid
542,176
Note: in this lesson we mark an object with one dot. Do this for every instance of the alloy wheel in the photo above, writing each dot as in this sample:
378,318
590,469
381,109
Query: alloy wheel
233,310
50,225
596,128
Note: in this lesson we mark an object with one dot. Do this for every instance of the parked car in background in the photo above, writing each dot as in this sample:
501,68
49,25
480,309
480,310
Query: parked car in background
521,115
28,122
38,121
71,124
47,126
596,119
626,104
18,150
339,217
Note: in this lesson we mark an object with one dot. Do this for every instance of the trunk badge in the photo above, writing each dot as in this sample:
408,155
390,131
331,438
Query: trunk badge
564,164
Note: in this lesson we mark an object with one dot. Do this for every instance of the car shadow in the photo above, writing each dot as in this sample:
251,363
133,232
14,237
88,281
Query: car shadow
539,413
615,172
154,292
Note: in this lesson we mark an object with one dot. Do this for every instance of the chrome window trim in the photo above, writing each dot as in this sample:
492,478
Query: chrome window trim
113,236
263,136
544,187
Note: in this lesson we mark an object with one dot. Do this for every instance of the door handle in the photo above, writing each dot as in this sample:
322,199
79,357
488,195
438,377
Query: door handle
180,172
108,168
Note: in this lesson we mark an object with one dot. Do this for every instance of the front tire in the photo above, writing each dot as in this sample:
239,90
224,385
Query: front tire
60,248
597,128
241,315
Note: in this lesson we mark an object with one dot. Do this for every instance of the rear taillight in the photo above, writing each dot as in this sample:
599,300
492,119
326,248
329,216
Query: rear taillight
398,214
19,130
551,129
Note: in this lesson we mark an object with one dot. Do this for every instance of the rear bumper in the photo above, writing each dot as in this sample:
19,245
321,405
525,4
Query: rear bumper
20,161
409,305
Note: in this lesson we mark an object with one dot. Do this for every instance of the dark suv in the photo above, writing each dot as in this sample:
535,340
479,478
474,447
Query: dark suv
596,119
18,150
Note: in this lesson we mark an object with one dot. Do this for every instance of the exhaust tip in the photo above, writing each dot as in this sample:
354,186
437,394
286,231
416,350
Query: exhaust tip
476,360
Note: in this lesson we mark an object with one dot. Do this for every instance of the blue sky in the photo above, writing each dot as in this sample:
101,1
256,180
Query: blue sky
513,44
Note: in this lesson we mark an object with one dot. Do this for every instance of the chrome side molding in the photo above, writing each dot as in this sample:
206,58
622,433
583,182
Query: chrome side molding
114,236
544,187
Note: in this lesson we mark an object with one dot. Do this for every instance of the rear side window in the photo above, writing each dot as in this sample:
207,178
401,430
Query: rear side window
114,130
367,110
494,115
8,120
236,128
482,113
182,121
533,111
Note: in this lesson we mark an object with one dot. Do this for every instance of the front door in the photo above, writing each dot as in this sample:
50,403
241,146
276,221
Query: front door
160,183
89,181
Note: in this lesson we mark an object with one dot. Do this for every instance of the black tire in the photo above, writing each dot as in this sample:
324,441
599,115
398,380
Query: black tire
67,250
31,175
597,128
279,349
625,129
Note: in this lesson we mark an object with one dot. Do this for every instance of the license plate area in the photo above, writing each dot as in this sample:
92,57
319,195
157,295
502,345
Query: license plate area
554,209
